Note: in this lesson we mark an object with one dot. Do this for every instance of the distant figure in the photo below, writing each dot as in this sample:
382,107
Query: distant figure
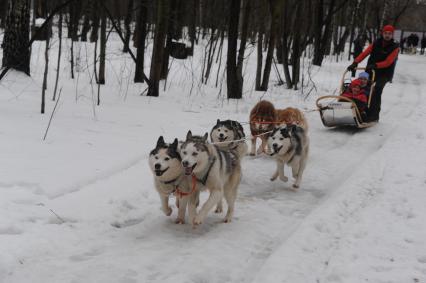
402,44
413,42
423,45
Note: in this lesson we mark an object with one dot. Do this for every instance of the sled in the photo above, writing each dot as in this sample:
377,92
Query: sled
337,110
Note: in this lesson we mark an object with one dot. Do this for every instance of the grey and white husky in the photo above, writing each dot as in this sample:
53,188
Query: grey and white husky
224,133
165,163
289,145
216,170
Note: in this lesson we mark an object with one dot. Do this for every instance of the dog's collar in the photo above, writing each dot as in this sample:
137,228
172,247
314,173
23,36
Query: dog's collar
203,180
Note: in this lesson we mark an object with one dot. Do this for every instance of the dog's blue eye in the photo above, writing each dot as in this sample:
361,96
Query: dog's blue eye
167,159
195,154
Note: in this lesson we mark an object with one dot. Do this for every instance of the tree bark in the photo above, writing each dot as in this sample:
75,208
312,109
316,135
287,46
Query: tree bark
102,49
158,48
233,86
127,22
46,69
259,60
140,41
271,46
244,33
16,50
58,66
95,21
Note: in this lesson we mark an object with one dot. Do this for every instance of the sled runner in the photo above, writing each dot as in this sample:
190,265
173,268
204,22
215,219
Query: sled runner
337,110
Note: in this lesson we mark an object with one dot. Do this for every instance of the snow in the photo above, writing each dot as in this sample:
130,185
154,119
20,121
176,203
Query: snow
81,206
39,22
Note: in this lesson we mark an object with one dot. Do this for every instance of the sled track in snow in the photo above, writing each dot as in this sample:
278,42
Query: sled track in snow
336,182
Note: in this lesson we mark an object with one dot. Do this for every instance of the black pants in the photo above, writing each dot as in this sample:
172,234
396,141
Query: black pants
376,99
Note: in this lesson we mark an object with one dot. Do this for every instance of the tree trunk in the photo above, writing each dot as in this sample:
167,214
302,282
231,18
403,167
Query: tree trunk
172,20
46,69
72,59
127,22
16,51
102,48
158,48
259,60
86,23
271,47
59,54
244,33
95,21
140,41
232,80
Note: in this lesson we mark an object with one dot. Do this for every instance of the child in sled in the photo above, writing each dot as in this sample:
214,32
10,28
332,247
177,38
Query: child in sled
358,95
365,83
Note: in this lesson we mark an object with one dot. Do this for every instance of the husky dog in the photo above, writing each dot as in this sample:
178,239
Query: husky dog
165,164
227,131
290,145
291,116
262,118
217,170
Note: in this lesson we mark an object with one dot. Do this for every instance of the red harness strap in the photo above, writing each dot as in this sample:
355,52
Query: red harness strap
181,194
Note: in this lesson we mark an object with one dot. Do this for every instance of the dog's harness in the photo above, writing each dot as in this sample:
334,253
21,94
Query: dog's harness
179,193
203,180
176,189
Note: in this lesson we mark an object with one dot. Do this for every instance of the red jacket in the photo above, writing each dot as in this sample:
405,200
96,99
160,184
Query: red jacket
361,96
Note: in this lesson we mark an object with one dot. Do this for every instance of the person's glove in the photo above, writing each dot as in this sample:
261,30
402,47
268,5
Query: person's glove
370,67
352,66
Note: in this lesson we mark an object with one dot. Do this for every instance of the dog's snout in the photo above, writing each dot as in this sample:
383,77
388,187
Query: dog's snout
221,135
185,163
157,166
274,145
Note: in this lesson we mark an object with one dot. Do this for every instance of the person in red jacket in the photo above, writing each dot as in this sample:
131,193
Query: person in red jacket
357,94
383,55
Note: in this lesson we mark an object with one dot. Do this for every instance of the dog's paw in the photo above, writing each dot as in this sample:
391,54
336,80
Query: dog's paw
180,221
273,178
284,178
168,211
295,186
218,210
227,220
252,154
197,221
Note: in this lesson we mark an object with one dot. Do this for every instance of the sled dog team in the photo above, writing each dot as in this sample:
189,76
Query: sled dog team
184,168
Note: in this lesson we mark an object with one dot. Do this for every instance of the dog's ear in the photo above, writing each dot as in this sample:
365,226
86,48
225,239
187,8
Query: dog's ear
160,142
174,145
218,122
189,135
205,137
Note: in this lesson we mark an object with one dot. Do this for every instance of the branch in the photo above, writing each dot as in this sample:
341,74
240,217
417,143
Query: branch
122,39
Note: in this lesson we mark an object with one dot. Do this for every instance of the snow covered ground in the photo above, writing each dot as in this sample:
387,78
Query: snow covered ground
81,206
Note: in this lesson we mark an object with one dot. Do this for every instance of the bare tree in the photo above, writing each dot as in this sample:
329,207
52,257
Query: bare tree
16,51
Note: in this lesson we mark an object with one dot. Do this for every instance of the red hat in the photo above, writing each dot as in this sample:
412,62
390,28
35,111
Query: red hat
356,82
388,28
